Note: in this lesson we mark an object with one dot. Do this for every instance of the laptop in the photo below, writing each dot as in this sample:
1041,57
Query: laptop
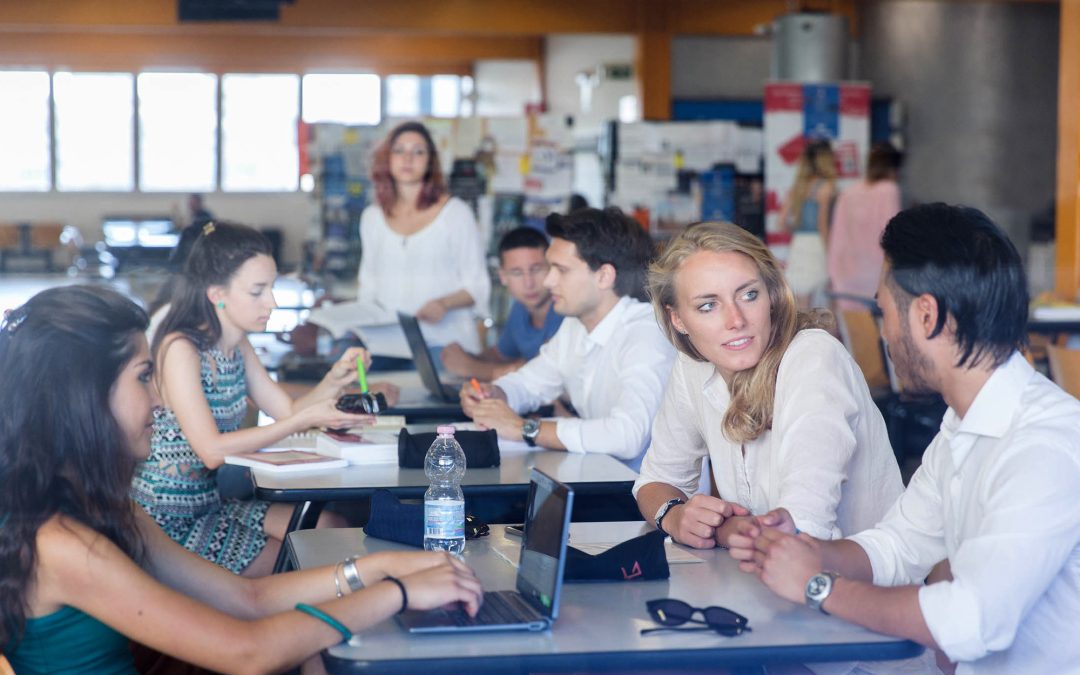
429,374
534,606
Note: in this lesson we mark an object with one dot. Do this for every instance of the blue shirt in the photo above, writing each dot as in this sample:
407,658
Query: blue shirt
519,340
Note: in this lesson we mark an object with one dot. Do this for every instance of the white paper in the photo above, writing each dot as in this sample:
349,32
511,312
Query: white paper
343,317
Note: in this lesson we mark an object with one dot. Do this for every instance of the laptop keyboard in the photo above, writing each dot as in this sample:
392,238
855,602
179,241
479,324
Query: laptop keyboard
500,607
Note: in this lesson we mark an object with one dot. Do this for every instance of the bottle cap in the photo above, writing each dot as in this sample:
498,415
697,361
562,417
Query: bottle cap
445,430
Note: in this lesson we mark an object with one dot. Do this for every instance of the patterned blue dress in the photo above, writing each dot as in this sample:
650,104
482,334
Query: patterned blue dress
181,493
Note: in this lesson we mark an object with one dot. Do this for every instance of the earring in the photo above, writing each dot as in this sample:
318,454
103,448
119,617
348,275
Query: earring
221,304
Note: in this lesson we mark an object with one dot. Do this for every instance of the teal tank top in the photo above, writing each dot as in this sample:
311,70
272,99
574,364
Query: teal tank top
70,641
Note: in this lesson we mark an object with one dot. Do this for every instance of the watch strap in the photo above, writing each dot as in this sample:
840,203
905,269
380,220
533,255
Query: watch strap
662,512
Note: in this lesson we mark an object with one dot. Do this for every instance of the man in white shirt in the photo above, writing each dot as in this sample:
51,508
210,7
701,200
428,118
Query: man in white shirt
609,356
997,493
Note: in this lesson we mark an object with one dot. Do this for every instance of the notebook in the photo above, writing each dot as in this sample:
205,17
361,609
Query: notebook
534,606
285,461
425,366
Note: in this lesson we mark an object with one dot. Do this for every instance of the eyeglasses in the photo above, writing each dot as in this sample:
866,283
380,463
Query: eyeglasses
670,614
475,528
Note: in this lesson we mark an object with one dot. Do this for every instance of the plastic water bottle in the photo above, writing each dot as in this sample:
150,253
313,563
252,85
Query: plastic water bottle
444,504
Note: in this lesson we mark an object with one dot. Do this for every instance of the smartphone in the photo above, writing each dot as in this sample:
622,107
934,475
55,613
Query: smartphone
362,404
515,530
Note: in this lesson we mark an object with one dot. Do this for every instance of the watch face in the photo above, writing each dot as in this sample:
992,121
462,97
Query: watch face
531,426
816,585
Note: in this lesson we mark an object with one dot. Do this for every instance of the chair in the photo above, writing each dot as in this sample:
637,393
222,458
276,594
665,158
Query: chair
10,240
1065,368
44,240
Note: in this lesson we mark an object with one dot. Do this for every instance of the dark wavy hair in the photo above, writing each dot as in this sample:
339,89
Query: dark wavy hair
61,449
216,255
385,188
608,236
960,257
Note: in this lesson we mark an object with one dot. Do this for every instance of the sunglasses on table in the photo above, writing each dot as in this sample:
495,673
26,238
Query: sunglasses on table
671,614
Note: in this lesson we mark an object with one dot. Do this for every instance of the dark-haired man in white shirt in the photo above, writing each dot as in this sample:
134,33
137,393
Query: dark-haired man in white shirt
998,492
609,355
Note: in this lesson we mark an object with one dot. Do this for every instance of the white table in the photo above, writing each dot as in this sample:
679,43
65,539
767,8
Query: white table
598,625
595,478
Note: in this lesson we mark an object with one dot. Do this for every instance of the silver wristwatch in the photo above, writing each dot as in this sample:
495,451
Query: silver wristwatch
530,430
662,512
818,588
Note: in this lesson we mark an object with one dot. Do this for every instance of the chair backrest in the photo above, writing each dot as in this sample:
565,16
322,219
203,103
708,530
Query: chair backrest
859,331
9,240
45,236
1065,368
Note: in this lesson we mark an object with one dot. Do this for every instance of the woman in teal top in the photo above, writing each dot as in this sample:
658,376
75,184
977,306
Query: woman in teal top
805,213
207,372
83,570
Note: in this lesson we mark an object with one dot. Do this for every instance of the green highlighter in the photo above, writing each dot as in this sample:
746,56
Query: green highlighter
361,374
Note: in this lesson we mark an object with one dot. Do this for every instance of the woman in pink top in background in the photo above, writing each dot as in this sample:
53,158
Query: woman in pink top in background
859,217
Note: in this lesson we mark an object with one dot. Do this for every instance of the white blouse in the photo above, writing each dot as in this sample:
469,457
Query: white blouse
826,459
403,272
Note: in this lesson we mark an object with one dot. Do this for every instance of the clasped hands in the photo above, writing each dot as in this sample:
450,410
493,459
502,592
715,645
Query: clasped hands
768,545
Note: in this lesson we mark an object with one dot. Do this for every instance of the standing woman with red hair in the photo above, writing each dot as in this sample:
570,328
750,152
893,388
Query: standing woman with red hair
422,252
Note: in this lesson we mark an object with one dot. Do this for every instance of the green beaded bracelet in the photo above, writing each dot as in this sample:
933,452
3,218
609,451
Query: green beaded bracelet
346,634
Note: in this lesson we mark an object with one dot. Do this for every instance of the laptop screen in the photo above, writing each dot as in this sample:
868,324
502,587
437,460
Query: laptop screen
543,547
425,367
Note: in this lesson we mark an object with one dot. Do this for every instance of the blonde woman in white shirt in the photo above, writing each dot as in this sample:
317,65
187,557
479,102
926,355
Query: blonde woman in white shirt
779,407
421,248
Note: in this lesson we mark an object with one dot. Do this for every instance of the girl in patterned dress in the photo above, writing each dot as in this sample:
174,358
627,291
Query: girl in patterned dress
207,372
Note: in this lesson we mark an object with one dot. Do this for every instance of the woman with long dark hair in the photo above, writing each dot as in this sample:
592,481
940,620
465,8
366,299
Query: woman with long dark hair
421,248
207,372
82,570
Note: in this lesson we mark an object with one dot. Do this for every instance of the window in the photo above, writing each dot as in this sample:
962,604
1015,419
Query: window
177,132
24,131
346,99
403,96
259,132
445,95
438,96
94,131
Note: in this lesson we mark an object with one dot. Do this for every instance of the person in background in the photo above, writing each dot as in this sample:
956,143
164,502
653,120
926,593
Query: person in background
82,570
198,214
208,370
609,355
778,405
532,320
805,213
421,248
996,494
859,217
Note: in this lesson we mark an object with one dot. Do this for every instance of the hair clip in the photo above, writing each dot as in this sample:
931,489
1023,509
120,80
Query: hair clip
13,318
208,229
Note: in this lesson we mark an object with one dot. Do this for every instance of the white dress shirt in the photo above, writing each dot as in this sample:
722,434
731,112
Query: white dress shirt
402,273
614,376
826,459
998,494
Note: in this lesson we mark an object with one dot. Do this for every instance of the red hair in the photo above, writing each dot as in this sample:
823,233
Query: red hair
385,190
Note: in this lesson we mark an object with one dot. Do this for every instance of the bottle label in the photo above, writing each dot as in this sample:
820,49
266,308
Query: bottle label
444,519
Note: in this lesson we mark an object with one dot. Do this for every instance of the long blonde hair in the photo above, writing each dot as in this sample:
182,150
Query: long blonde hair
816,162
753,390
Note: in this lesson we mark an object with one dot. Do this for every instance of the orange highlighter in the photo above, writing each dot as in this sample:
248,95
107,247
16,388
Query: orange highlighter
476,388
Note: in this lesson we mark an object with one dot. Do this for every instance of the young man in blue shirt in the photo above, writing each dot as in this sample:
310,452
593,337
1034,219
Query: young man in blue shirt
531,321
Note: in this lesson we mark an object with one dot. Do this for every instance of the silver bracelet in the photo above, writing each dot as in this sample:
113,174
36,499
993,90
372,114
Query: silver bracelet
352,575
337,581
